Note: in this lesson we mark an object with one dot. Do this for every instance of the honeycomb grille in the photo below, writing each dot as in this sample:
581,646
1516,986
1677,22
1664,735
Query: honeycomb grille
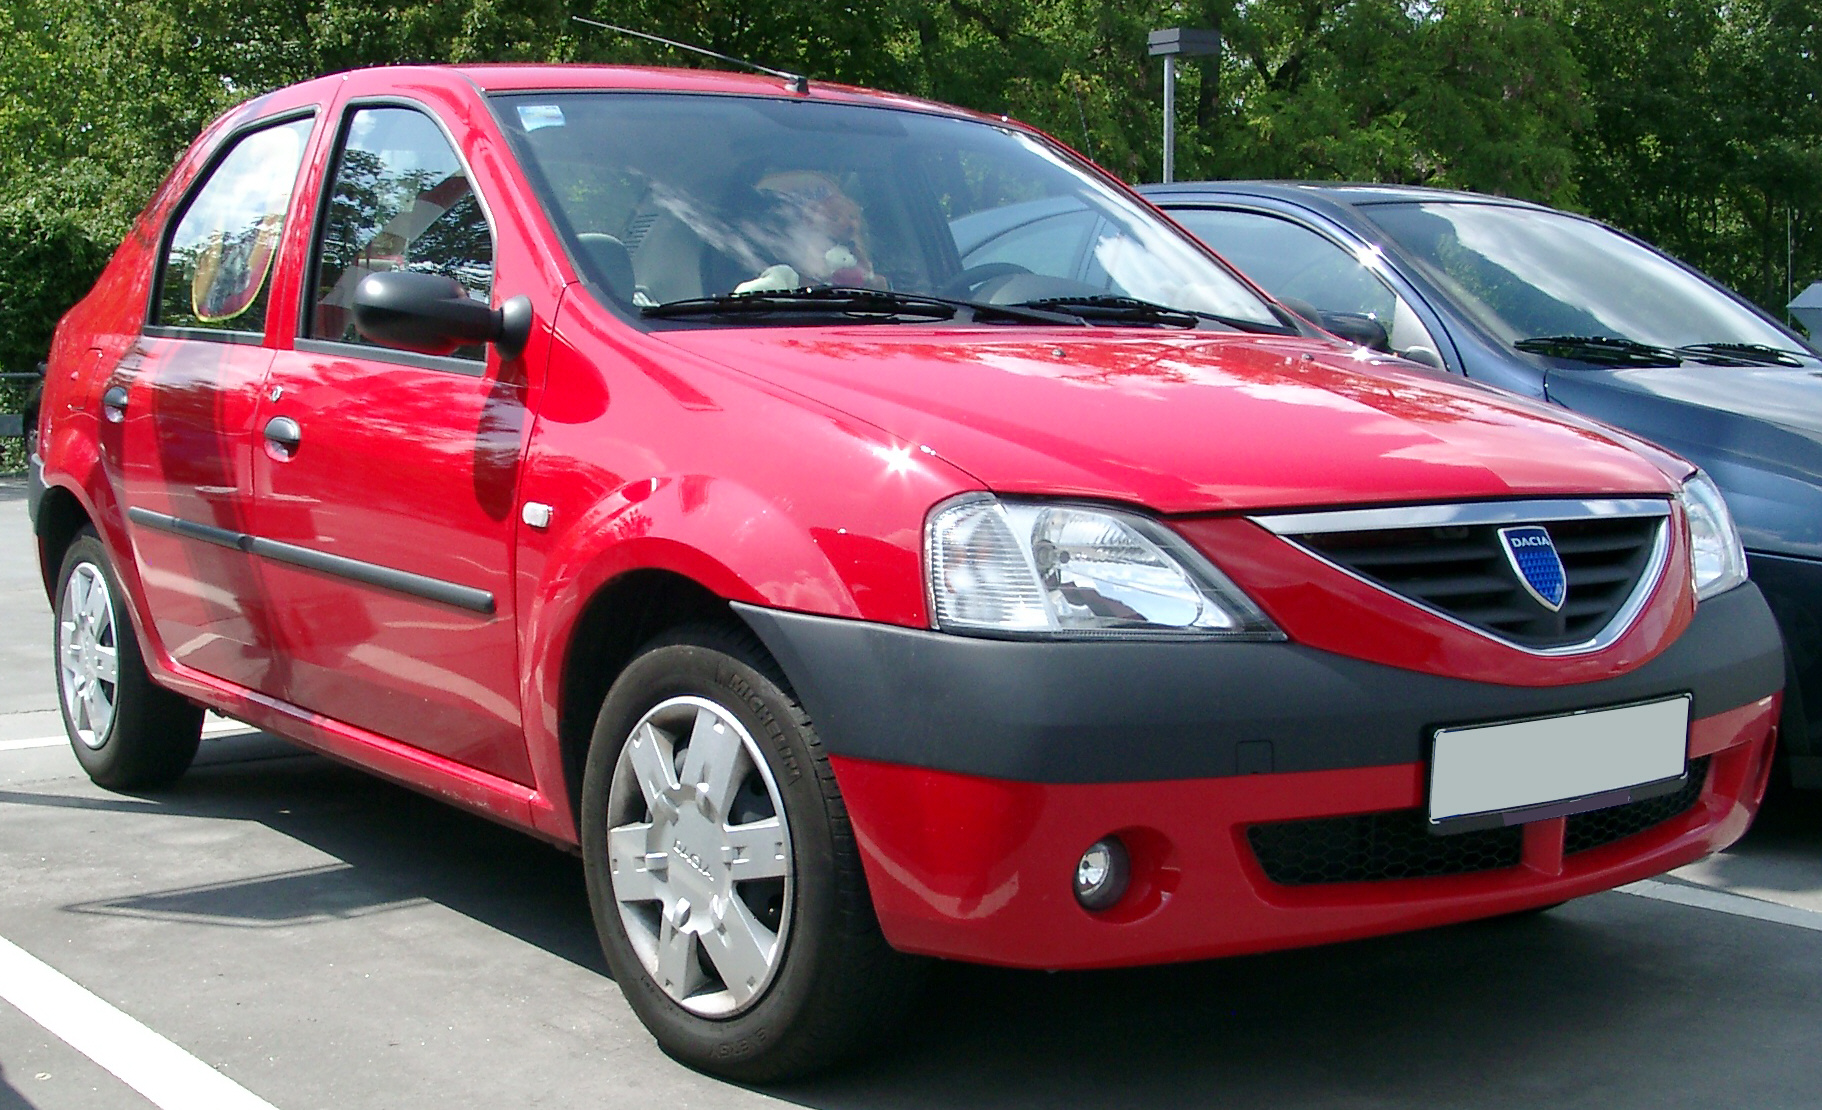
1375,846
1616,823
1462,570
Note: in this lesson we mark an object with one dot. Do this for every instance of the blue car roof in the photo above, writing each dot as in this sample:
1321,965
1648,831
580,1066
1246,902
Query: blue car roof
1335,192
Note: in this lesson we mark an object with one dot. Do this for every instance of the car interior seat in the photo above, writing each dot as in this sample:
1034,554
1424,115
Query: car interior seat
666,257
609,262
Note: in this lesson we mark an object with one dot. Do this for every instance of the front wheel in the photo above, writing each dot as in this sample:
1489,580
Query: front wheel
127,732
725,884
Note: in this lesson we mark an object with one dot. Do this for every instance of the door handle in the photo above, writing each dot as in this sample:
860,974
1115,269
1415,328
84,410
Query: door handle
114,404
283,434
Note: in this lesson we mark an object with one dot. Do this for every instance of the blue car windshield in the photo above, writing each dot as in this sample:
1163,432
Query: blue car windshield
673,199
1526,274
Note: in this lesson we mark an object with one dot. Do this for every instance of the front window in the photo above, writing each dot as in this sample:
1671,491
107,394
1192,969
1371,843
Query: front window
1546,282
668,199
1305,269
400,200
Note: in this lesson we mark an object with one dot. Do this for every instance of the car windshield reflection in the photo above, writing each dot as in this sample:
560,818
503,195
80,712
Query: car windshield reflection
1530,276
767,197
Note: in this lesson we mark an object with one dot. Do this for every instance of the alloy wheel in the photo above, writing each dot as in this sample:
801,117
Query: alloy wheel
88,654
699,856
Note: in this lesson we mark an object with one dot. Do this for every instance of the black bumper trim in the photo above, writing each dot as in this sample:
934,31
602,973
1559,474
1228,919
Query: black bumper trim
34,489
1136,712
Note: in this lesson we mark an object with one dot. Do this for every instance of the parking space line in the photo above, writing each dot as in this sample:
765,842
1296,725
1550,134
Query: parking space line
211,730
1738,905
34,742
164,1073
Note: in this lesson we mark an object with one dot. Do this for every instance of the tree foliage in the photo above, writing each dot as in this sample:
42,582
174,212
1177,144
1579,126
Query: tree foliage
1695,124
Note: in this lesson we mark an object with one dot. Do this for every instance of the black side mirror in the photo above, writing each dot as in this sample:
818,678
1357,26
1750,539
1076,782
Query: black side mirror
433,314
1357,328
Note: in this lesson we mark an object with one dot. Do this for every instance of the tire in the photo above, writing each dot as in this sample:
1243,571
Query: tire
756,963
127,732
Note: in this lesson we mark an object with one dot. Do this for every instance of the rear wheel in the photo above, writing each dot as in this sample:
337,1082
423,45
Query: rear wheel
127,732
722,872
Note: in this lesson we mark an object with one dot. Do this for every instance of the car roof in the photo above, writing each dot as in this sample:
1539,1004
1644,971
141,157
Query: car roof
502,77
1343,193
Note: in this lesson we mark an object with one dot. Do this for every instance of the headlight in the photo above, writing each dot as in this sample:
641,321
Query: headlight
1714,543
1030,568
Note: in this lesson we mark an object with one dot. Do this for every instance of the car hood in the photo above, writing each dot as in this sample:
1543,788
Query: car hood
1756,429
1186,422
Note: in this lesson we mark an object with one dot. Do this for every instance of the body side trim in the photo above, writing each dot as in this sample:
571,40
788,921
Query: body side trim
370,574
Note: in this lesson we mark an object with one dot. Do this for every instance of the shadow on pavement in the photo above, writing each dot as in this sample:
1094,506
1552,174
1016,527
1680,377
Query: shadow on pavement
10,1098
1612,1001
396,848
1608,1001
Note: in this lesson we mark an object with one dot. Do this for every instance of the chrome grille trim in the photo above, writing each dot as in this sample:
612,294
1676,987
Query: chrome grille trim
1438,516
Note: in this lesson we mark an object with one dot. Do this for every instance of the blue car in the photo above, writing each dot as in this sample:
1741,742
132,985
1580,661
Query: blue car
1568,310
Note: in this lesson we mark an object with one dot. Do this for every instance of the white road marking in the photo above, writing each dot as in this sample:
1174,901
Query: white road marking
34,742
1738,905
214,730
164,1073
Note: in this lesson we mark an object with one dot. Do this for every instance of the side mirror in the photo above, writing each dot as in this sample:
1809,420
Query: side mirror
433,314
1425,355
1357,328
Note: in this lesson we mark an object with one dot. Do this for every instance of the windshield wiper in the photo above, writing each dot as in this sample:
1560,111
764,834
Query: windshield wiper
1111,307
1605,350
1739,354
1097,307
852,301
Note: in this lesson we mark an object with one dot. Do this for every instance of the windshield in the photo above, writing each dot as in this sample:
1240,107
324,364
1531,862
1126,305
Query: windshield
670,199
1527,274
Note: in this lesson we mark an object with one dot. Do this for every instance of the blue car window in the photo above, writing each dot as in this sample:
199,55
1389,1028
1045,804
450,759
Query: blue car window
1305,268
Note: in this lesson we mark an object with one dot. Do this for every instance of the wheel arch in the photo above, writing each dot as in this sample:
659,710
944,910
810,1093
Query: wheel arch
626,613
61,516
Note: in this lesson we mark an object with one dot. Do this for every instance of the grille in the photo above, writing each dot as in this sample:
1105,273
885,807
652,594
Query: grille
1374,846
1605,826
1462,570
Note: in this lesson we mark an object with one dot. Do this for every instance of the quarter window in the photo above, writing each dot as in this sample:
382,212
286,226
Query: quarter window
400,201
217,267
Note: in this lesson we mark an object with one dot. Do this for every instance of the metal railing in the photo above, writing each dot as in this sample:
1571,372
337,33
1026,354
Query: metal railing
12,424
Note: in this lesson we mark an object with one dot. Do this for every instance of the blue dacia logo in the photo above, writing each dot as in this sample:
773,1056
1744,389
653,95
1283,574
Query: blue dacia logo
1533,556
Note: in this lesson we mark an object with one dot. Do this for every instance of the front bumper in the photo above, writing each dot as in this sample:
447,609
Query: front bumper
1793,589
975,772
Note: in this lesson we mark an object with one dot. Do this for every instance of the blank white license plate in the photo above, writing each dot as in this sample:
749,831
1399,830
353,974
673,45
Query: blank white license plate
1486,775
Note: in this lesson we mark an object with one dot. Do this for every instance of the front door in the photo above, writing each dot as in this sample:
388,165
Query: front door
386,480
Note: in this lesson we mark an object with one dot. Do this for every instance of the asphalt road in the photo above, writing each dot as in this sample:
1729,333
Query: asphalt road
303,936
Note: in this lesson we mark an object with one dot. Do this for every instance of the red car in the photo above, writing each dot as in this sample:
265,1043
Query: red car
628,456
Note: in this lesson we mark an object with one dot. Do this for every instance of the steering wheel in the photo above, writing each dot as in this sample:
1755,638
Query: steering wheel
967,280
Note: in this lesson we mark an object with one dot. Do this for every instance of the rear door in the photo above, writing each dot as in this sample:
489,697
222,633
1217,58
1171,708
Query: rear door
178,411
387,480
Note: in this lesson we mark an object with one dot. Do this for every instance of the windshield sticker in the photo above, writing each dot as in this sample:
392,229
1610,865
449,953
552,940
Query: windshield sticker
534,116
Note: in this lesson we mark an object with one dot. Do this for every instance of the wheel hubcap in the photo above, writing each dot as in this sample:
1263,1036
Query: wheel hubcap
89,662
700,856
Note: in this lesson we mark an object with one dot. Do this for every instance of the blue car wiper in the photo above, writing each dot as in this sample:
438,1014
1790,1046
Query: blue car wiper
1603,350
1739,354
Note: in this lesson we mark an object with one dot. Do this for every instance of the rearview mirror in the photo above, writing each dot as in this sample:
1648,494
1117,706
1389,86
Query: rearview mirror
433,314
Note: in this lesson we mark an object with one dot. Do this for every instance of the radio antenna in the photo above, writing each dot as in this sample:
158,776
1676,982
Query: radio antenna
795,82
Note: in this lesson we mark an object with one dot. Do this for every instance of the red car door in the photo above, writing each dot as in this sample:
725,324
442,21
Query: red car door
178,410
387,480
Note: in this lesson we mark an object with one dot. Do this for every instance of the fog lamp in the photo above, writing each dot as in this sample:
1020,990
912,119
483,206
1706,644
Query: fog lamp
1102,873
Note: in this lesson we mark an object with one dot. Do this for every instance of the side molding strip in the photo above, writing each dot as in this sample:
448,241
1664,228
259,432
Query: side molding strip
370,574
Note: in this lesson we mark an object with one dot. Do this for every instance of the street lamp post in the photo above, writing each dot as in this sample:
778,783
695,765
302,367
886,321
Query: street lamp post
1171,42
